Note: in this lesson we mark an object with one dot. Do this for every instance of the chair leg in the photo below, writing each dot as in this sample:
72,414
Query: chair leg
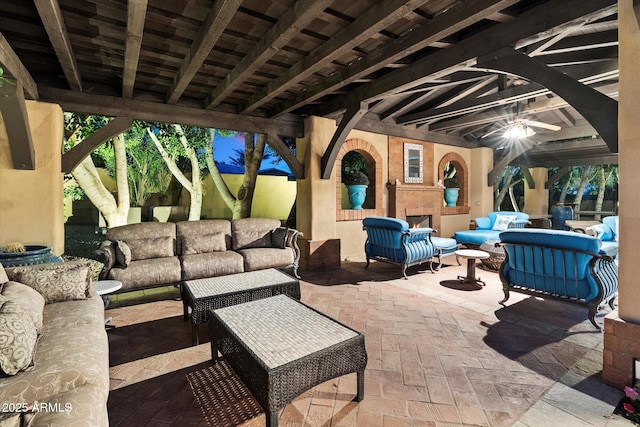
505,289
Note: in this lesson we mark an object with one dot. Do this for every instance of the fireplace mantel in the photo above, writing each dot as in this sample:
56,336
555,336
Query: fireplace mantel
415,200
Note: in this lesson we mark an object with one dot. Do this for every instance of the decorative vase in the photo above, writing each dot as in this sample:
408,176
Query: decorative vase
357,195
451,196
33,255
559,214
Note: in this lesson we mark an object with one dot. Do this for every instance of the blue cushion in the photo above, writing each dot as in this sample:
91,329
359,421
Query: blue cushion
476,237
556,238
483,223
612,223
386,222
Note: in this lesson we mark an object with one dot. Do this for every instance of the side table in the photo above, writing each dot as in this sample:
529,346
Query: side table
471,255
104,288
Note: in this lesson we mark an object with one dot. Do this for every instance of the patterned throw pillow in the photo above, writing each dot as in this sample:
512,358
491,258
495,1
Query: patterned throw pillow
123,253
502,222
251,239
202,244
3,276
18,338
155,247
279,237
57,282
28,298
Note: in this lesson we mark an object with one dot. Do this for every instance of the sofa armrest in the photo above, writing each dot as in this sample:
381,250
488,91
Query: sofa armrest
417,234
483,223
519,223
108,252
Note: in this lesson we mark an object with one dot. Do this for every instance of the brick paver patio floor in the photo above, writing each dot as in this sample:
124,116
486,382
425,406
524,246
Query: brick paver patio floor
439,354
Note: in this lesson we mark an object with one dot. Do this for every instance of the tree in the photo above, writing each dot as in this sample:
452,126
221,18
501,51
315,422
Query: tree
503,185
174,142
77,128
240,205
586,175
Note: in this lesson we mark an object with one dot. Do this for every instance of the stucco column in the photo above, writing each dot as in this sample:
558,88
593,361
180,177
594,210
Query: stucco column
316,199
622,328
536,200
31,207
480,191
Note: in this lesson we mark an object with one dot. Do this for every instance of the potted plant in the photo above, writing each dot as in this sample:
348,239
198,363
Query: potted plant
356,183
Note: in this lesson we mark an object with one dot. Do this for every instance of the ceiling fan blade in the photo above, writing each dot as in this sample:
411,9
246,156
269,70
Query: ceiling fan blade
493,131
541,125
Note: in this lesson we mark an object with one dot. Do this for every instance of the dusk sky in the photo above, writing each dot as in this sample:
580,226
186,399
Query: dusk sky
224,149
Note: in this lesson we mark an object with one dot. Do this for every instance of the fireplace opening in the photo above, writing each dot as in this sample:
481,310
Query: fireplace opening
419,221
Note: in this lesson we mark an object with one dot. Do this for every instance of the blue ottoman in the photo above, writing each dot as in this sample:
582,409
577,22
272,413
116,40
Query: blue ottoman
444,246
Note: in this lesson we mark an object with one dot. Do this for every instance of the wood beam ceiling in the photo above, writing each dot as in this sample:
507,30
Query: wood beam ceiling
51,16
16,123
136,16
13,67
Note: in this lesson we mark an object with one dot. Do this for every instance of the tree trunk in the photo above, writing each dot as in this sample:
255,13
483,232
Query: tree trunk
563,193
584,180
601,189
508,176
253,154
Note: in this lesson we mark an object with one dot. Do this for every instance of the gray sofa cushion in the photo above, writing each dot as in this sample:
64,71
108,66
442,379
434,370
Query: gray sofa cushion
186,229
145,272
261,258
211,264
204,243
253,232
155,247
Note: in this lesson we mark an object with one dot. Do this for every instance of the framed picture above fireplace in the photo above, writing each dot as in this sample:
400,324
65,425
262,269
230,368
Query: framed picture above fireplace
413,164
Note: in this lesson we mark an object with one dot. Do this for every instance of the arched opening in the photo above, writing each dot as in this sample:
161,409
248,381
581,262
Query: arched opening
453,173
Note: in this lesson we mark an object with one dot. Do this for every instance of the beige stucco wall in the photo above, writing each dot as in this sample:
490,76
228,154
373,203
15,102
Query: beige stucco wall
629,158
31,209
536,200
273,197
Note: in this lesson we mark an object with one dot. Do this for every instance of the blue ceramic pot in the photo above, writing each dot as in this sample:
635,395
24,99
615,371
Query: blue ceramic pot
33,255
357,195
451,196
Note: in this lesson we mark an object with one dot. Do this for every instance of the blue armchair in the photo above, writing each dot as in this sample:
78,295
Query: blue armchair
558,264
607,232
391,240
489,227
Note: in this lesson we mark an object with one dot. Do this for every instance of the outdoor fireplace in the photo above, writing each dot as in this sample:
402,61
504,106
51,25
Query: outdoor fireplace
419,221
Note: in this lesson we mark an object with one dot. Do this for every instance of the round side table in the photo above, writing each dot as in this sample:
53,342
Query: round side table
104,288
471,256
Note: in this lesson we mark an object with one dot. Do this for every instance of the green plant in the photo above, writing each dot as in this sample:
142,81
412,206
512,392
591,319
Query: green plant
355,178
451,183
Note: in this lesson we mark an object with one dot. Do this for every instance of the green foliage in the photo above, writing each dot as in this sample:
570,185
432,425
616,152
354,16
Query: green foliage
355,178
4,80
450,180
354,162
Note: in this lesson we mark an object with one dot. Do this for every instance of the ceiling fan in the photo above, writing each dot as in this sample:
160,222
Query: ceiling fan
520,127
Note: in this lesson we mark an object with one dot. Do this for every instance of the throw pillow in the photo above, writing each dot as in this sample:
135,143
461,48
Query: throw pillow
205,243
18,338
279,237
28,298
251,239
502,222
57,282
123,253
3,276
155,247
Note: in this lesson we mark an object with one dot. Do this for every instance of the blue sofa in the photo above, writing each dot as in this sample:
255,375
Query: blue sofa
391,240
607,232
489,227
558,264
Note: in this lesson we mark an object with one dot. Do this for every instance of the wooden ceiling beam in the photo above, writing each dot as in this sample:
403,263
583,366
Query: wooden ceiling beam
212,28
136,16
16,124
13,67
384,128
543,22
287,27
445,24
599,110
348,122
373,20
278,145
78,153
78,102
51,16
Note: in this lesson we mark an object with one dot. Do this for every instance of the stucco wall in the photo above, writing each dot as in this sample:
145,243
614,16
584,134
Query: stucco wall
31,209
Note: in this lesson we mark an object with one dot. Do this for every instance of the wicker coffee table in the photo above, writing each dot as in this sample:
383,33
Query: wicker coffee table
280,347
207,294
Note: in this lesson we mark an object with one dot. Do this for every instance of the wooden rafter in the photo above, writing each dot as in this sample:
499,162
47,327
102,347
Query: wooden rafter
14,67
281,33
541,21
51,16
297,168
556,176
77,154
16,123
440,27
370,22
212,28
136,15
155,112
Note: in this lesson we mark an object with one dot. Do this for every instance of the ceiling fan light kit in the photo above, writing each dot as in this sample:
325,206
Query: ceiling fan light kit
518,131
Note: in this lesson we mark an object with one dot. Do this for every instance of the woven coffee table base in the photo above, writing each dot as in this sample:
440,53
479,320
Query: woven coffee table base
294,349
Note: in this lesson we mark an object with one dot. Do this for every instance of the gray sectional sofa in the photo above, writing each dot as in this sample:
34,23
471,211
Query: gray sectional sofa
55,351
162,253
